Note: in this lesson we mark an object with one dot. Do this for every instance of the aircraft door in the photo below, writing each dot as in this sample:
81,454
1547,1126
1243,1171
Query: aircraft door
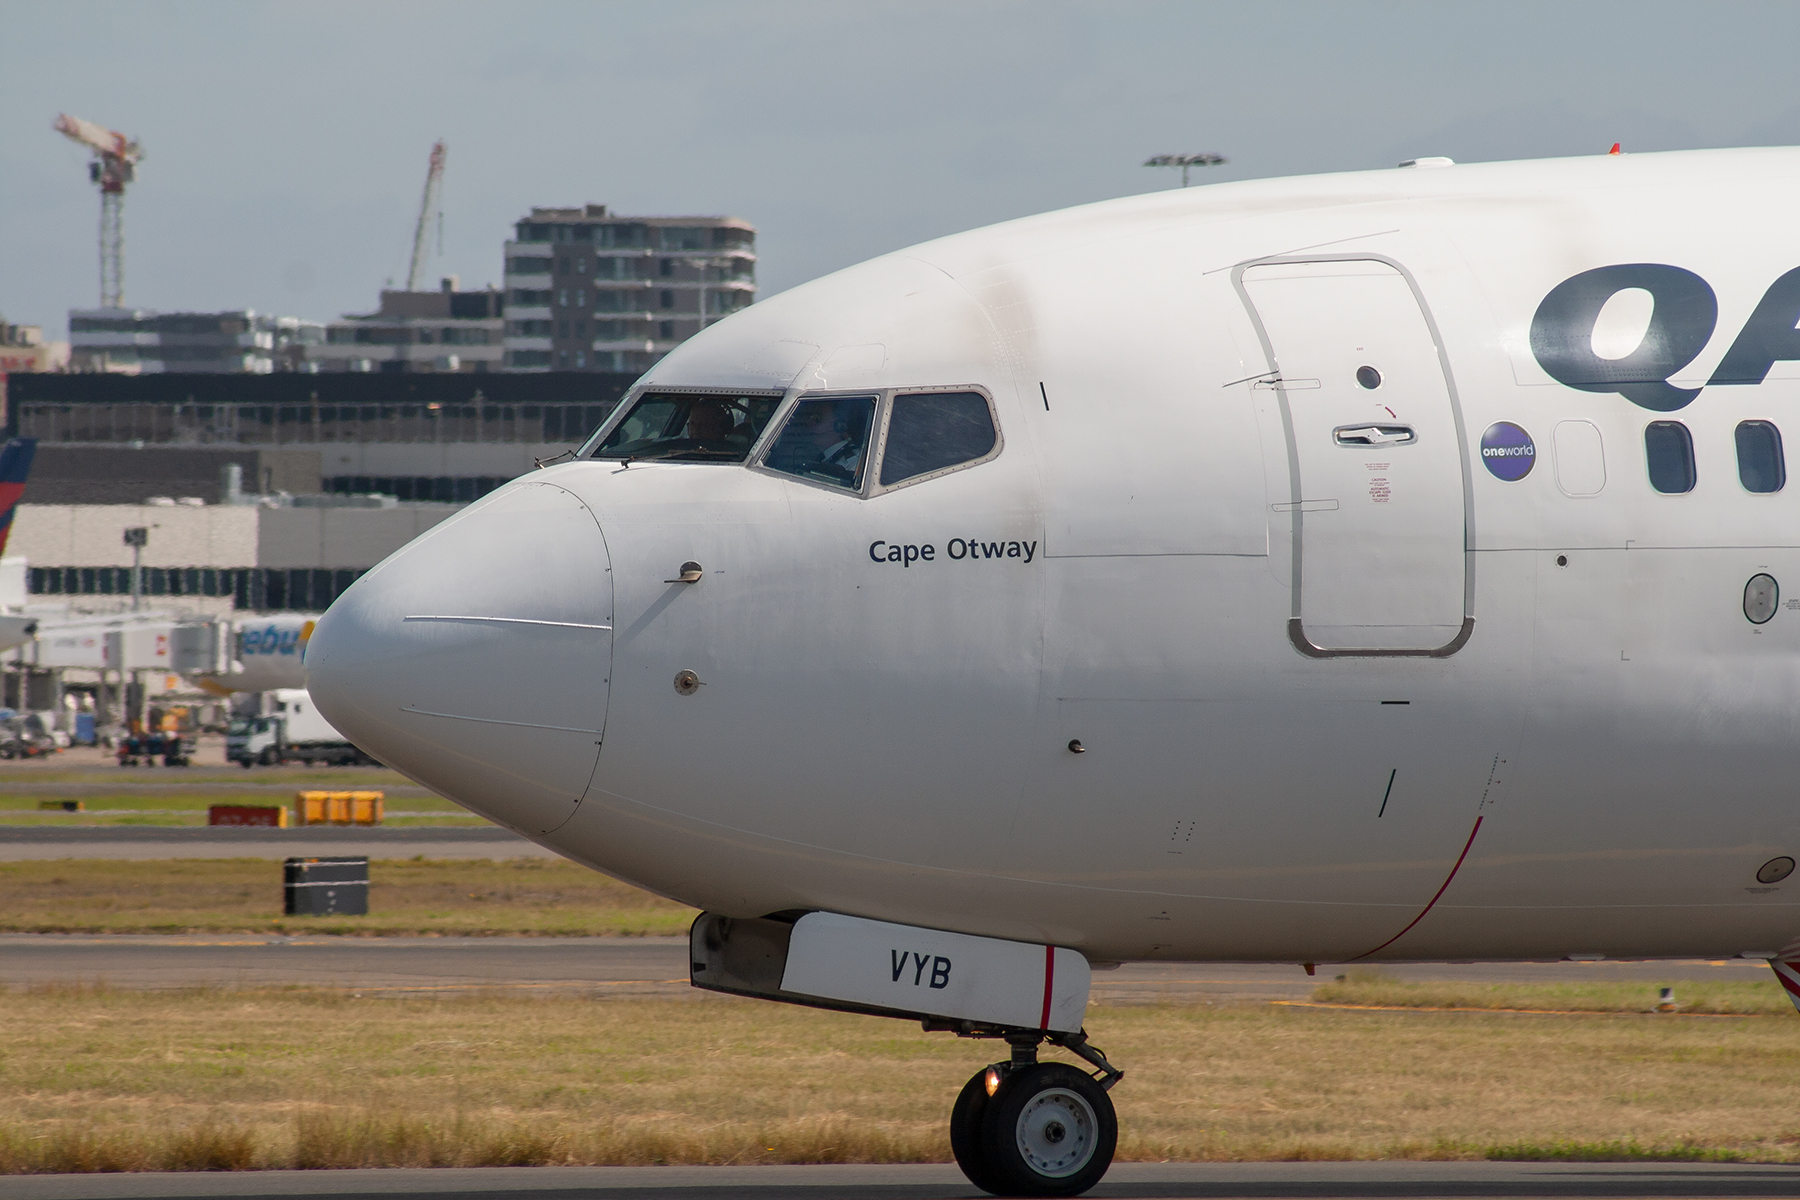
1378,474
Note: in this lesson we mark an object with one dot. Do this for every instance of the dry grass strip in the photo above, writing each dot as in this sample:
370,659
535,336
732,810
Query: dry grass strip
1372,987
406,896
111,1080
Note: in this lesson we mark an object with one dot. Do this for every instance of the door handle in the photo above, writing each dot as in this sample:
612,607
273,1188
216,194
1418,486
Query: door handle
1374,435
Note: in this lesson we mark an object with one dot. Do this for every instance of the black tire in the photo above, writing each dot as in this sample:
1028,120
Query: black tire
268,758
1049,1130
966,1142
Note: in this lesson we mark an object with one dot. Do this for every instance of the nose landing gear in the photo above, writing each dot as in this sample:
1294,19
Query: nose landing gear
1025,1128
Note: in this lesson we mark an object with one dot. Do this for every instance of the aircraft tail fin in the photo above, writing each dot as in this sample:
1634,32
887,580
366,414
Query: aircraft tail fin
15,466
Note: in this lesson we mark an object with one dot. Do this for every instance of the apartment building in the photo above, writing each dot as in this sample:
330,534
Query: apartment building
138,341
23,348
448,330
590,291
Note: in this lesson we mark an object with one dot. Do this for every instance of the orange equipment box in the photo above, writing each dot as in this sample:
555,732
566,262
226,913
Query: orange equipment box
339,808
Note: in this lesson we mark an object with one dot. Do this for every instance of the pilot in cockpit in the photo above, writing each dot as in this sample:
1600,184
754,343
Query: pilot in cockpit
710,426
833,435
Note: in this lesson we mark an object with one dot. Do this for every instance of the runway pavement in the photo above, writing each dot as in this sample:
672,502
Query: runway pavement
658,966
1136,1181
21,842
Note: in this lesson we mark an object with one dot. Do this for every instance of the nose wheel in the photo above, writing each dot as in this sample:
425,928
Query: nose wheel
1025,1128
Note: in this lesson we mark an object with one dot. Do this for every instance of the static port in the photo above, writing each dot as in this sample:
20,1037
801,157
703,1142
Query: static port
1762,595
1775,870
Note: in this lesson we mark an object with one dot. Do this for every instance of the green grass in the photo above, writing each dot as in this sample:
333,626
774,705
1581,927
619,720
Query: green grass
406,896
165,803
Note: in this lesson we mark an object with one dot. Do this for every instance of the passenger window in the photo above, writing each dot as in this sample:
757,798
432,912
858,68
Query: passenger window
1761,467
824,440
1669,452
933,430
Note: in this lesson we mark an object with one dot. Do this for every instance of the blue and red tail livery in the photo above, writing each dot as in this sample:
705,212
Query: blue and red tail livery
15,465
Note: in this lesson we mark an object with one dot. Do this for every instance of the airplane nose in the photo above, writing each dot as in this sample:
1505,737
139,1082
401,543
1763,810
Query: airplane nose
476,658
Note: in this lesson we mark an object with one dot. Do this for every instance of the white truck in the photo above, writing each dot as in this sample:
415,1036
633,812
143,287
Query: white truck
293,732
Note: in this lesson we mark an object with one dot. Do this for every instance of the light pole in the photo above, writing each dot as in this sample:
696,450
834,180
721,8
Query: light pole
137,537
1186,162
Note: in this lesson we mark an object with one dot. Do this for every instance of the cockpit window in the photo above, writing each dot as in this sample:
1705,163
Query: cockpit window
685,427
933,430
825,440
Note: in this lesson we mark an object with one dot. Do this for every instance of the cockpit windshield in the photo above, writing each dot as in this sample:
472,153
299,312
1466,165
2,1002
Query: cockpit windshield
685,427
825,439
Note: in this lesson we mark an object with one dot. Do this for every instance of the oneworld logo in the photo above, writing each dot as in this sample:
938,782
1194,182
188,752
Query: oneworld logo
1507,451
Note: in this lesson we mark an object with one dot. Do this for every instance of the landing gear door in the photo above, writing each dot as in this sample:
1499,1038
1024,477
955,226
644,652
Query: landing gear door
1379,504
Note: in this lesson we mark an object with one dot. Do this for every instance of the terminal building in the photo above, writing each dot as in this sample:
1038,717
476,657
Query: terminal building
268,492
442,438
210,559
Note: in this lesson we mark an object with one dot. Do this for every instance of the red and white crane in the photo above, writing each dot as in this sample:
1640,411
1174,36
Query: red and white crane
114,165
434,181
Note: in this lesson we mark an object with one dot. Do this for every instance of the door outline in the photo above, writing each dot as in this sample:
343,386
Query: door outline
1295,626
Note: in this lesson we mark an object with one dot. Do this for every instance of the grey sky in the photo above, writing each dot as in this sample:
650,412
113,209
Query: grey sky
287,142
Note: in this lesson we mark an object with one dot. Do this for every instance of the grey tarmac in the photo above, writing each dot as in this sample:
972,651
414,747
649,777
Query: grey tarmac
1136,1181
658,966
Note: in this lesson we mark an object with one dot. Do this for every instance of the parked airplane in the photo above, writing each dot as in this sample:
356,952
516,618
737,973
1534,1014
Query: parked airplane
15,468
1370,567
268,655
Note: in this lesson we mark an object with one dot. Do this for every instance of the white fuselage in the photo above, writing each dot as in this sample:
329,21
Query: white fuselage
1320,659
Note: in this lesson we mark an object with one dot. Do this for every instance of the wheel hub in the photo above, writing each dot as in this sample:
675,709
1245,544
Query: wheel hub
1056,1133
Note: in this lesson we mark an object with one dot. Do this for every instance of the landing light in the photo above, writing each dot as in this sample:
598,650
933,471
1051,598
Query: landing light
992,1082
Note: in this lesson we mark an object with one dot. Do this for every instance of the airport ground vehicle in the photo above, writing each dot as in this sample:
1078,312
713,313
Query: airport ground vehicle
27,735
174,749
1370,567
294,732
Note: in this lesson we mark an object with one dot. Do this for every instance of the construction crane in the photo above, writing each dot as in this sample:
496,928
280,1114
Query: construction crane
113,166
434,180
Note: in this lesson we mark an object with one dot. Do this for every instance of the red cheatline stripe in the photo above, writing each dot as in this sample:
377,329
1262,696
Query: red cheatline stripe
1049,978
1789,978
1434,899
